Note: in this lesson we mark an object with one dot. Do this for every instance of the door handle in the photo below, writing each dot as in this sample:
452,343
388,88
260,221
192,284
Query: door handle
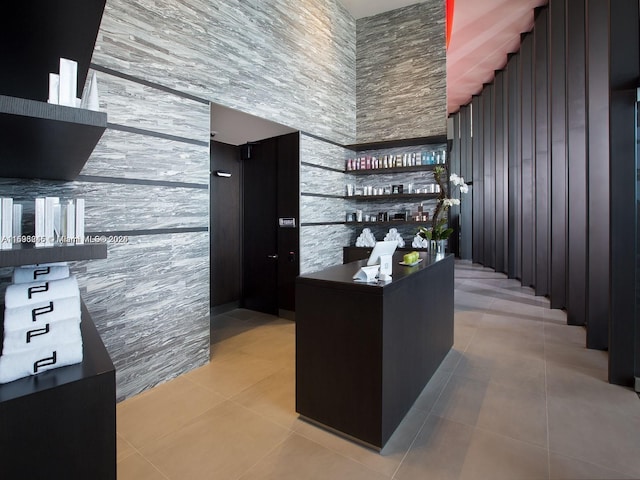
274,256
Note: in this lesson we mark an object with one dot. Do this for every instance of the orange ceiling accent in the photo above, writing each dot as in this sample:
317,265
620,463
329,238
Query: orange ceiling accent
450,9
484,33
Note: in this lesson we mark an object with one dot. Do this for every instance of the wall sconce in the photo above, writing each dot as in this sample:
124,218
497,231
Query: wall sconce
223,173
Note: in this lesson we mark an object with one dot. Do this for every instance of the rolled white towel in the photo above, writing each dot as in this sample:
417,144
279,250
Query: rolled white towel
48,335
33,362
40,273
25,294
36,315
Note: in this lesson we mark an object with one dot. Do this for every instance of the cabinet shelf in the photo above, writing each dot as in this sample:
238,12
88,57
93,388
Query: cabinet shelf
27,254
388,223
396,196
378,171
40,140
407,142
81,433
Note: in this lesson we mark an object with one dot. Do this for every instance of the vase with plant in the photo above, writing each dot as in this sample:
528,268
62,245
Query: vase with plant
440,230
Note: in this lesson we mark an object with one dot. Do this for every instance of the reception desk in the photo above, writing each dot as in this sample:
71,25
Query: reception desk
364,352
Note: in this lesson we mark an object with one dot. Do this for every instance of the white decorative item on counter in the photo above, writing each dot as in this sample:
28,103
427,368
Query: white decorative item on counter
419,242
394,235
366,239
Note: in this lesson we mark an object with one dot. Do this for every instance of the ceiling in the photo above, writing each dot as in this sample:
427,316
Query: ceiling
237,128
483,33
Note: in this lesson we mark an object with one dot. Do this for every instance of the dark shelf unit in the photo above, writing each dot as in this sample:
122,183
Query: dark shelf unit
61,423
63,418
40,140
377,171
390,223
409,142
73,405
27,254
396,196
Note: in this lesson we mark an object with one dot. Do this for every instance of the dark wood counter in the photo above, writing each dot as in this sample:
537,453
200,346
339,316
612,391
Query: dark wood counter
62,422
364,352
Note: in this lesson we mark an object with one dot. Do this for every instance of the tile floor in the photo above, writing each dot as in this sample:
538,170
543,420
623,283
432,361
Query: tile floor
518,397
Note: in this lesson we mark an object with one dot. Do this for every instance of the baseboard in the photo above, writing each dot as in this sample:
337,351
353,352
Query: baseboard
287,314
227,307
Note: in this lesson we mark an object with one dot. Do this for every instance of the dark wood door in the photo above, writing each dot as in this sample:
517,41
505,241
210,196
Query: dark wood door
226,225
260,234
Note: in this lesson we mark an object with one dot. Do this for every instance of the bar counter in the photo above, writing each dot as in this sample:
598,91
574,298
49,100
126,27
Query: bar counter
365,351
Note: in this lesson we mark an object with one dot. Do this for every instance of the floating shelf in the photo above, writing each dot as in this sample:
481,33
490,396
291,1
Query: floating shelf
27,254
40,140
396,196
409,142
388,223
378,171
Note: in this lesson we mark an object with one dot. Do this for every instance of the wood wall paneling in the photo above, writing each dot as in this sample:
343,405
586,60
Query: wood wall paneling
542,175
528,171
558,141
489,189
514,269
624,74
501,184
454,167
466,171
577,236
478,179
225,218
598,176
288,179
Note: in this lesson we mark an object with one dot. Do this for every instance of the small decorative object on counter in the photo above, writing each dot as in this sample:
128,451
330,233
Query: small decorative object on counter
419,242
394,235
366,239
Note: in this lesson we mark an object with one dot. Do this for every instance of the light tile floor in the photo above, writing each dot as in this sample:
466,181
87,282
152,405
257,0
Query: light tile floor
518,397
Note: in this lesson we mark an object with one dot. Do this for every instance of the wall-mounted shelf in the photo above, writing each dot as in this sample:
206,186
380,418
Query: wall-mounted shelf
39,140
395,196
409,142
378,171
388,223
27,254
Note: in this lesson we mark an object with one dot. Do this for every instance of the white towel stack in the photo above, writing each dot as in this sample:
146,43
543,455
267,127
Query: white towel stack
41,321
